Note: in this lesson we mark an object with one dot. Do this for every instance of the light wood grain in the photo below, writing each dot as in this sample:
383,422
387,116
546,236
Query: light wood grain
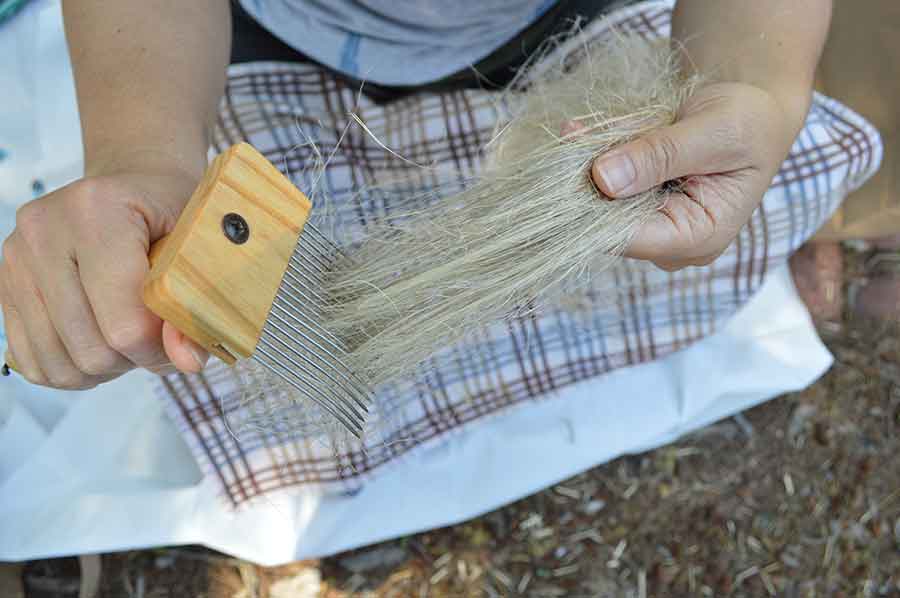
216,292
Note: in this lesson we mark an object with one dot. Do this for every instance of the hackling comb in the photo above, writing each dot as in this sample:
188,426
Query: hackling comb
240,275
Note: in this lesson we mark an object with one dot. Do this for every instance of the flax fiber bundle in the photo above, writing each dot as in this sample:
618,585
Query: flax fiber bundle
530,229
531,226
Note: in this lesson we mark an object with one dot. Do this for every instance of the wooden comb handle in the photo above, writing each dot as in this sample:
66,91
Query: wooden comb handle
217,349
215,276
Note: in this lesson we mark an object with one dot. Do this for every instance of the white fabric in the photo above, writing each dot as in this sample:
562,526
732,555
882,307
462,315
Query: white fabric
106,470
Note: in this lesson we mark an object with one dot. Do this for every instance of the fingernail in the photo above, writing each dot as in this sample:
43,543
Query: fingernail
617,173
196,355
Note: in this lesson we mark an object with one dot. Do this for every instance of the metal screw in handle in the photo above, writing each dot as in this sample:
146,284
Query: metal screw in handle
235,228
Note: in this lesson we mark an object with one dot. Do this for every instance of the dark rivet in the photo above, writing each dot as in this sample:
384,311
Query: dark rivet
235,228
5,371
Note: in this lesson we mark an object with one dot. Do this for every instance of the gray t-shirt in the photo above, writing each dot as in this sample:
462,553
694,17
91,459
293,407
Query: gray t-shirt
396,42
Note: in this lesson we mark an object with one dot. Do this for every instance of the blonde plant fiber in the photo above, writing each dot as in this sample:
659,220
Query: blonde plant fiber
529,231
531,228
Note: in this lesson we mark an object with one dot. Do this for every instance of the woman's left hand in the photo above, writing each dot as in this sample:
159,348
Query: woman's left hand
725,148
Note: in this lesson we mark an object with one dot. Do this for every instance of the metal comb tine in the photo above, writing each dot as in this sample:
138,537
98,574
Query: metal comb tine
323,335
290,281
272,364
344,371
296,311
307,249
323,256
310,267
286,377
363,389
342,403
299,295
287,307
299,269
347,404
346,399
296,298
336,408
309,285
313,282
294,289
318,351
326,244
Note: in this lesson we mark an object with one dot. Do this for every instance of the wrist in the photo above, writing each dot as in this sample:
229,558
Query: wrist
157,183
792,96
149,160
773,45
792,104
779,113
794,101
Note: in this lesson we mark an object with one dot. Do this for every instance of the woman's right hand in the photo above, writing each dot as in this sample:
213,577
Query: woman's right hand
71,277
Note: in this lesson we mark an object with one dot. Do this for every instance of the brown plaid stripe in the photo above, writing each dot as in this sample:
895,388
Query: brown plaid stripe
631,315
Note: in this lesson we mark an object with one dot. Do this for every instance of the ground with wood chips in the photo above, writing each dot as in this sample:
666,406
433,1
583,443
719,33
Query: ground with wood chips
798,497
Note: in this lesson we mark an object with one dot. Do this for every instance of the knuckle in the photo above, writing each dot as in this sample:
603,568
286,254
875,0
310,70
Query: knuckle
97,192
100,201
86,190
130,339
65,378
26,368
30,222
95,362
663,155
8,248
8,308
28,215
85,198
33,375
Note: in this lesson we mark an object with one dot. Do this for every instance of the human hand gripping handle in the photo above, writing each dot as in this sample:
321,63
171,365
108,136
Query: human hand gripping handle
72,270
71,278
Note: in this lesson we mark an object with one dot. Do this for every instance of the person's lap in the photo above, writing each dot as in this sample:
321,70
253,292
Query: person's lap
665,312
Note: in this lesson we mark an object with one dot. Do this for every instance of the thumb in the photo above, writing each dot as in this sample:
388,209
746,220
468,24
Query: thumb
186,355
693,146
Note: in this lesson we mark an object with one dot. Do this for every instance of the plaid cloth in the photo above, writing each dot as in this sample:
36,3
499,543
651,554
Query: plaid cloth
285,110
